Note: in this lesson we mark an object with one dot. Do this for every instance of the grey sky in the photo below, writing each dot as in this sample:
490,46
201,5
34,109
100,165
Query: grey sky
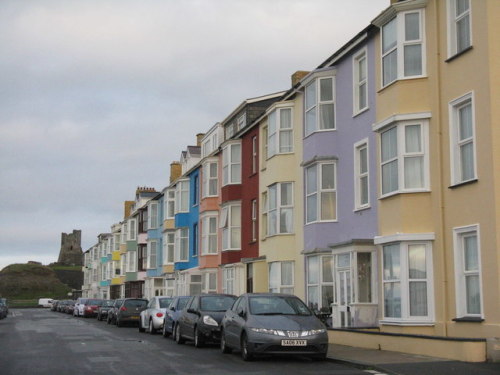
97,97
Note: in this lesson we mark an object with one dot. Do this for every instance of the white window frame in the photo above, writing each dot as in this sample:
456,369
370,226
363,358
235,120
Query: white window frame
276,189
402,155
318,193
316,103
399,47
170,204
455,141
241,121
404,282
153,215
132,233
230,222
276,128
152,249
209,282
169,247
360,176
276,270
182,196
453,20
169,287
132,261
254,219
255,158
208,245
230,176
210,179
181,240
461,273
229,280
320,284
360,81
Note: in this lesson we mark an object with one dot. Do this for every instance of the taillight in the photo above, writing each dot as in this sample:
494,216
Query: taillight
123,308
159,314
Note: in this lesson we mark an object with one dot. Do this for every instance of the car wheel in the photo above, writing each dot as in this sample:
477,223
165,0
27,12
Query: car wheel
245,353
178,338
198,340
223,347
141,328
164,330
152,330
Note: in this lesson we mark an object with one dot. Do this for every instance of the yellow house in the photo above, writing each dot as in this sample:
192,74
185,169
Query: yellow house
439,177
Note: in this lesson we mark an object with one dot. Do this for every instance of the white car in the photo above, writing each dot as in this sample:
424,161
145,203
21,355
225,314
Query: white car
151,319
45,302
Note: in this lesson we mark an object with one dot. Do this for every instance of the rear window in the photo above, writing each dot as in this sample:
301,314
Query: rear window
216,303
94,302
108,303
164,302
182,303
136,303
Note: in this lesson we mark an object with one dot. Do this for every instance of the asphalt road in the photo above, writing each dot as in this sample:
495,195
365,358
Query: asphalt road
39,341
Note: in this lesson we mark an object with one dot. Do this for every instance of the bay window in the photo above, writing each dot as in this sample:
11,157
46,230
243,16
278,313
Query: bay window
153,215
280,208
281,277
209,179
320,282
170,204
152,253
182,196
182,245
279,132
228,280
209,235
168,247
321,192
319,105
231,164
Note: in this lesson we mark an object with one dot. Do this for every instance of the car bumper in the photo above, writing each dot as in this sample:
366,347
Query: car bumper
259,343
210,333
157,322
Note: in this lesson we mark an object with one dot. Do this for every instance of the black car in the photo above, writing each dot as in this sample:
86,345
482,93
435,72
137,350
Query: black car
200,319
173,312
102,311
4,310
111,318
130,311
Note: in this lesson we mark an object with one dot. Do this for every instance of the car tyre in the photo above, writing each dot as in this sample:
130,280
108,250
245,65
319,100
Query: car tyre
151,328
245,352
165,333
223,346
178,338
198,340
141,328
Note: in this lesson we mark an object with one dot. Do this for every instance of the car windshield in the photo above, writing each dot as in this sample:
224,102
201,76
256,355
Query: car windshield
108,303
278,305
94,302
216,303
136,303
182,303
164,302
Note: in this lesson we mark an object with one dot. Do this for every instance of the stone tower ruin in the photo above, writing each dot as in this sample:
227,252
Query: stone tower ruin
71,249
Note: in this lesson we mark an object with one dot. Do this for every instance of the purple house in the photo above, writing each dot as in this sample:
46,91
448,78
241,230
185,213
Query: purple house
340,201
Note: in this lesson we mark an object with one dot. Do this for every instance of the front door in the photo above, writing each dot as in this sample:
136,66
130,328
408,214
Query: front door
344,289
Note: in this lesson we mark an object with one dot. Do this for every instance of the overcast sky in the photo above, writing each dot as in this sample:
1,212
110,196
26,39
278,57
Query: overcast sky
98,97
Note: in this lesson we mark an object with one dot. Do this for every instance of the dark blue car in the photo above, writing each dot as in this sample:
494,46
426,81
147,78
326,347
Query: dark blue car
172,314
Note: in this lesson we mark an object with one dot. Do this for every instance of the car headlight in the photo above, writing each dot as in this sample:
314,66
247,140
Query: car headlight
312,332
209,321
275,332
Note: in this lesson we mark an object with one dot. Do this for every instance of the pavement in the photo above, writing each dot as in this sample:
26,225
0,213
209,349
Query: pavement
379,362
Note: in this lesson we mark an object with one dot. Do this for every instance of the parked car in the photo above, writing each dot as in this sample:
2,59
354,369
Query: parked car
90,307
172,313
45,302
4,301
268,323
4,310
55,303
200,319
70,307
130,311
111,318
151,319
79,306
102,311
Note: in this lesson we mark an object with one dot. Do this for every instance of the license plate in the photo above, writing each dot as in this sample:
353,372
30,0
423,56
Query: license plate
134,317
293,342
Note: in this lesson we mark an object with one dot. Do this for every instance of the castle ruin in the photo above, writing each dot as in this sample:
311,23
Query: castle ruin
71,253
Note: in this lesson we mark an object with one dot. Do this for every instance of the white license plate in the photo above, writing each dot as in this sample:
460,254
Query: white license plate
293,342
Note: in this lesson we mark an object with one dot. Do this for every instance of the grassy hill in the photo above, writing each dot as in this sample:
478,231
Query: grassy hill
29,282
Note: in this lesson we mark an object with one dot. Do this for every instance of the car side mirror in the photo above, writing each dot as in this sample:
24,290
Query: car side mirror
173,308
241,313
193,311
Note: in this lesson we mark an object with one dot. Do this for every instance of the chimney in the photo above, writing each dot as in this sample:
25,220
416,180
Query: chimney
127,208
175,170
199,136
297,76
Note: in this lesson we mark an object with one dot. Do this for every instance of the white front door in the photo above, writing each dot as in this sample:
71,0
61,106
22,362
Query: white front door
344,289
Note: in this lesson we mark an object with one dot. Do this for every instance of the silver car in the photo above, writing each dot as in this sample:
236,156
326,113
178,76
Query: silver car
268,323
152,318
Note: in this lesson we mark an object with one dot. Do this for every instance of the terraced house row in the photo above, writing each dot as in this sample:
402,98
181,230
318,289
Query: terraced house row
370,189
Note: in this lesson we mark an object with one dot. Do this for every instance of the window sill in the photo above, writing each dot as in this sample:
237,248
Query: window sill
322,222
360,209
400,80
463,183
320,131
392,194
453,57
406,323
469,319
356,114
